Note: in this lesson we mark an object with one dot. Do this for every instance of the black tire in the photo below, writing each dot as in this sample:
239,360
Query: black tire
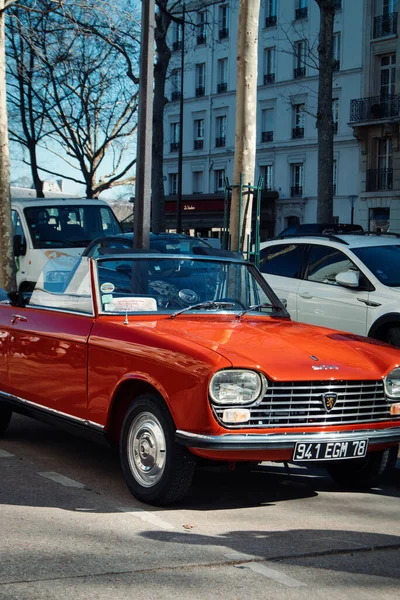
392,336
366,472
5,417
149,425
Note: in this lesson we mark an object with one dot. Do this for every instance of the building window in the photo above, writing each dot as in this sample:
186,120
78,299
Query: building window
335,114
267,125
300,49
267,175
219,175
201,27
223,22
200,79
334,178
269,65
336,51
385,21
174,136
270,13
198,134
173,184
176,36
302,9
222,74
388,76
176,85
198,182
297,180
381,177
298,121
220,140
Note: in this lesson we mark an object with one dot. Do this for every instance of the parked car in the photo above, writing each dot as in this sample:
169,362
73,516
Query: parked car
348,282
319,228
55,229
214,369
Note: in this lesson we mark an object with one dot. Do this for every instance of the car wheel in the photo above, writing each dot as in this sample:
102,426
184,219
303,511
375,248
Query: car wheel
392,336
5,417
366,472
157,470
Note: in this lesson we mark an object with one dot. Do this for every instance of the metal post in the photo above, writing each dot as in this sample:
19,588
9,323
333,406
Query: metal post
180,155
141,239
352,199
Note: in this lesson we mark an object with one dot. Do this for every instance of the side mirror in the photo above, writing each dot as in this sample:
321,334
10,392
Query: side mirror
284,301
19,245
350,279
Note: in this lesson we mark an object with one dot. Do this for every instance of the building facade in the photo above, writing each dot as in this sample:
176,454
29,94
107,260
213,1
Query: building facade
286,116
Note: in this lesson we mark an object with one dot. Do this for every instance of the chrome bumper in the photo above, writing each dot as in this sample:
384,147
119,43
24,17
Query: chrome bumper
276,441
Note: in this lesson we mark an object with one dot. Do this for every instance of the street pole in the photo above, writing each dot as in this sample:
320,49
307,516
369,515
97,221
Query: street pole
180,154
352,199
141,239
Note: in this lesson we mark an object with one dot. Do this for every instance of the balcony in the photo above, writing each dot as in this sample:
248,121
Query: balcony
385,25
301,13
176,95
222,87
198,144
299,73
174,146
379,180
177,45
223,33
220,142
269,78
297,133
200,91
267,136
296,190
201,39
374,108
270,21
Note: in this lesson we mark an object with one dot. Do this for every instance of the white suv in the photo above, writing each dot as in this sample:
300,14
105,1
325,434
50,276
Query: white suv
347,282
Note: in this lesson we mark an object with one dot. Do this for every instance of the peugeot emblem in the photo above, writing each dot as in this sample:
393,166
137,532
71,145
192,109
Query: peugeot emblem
329,400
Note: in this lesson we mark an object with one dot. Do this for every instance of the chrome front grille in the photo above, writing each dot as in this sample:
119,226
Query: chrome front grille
300,404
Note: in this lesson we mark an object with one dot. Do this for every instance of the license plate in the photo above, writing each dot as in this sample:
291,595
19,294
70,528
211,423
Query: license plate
304,451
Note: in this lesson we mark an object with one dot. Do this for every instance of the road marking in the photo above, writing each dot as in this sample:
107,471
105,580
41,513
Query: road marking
272,574
65,481
5,454
146,516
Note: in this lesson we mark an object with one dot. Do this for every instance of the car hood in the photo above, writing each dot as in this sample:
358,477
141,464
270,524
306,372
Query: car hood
287,350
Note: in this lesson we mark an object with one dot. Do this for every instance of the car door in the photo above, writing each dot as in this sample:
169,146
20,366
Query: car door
282,266
322,301
48,349
5,317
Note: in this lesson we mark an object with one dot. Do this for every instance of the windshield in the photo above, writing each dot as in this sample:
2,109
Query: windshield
165,284
382,261
63,226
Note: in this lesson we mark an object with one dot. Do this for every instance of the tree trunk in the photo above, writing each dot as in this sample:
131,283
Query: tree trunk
162,21
324,116
7,265
246,111
37,182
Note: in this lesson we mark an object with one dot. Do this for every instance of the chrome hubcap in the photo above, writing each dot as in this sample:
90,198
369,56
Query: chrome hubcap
146,449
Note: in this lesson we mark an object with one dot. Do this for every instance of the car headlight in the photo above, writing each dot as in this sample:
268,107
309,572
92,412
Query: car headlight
237,386
392,384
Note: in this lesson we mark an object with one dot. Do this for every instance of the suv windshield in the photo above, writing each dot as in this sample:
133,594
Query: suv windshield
382,261
169,283
65,226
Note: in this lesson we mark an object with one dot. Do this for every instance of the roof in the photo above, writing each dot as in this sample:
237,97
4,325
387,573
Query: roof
71,201
341,240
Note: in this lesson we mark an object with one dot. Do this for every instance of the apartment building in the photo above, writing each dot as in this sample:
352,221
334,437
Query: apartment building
286,117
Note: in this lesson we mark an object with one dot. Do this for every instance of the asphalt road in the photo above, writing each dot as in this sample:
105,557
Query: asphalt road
71,530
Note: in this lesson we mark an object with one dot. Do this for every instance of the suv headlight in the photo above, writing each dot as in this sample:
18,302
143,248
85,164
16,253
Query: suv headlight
392,384
237,386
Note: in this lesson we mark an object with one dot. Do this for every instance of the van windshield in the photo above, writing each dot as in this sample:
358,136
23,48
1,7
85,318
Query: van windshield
63,226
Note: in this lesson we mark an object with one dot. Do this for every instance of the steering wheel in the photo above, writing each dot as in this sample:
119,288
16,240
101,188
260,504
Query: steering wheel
167,295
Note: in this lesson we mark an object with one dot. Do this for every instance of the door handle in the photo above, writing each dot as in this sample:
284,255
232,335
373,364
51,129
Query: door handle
306,295
16,318
369,302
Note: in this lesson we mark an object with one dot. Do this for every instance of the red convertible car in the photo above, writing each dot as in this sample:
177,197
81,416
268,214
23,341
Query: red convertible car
180,357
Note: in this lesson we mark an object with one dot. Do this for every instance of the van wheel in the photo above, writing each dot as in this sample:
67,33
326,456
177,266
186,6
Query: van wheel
365,472
157,470
5,418
392,336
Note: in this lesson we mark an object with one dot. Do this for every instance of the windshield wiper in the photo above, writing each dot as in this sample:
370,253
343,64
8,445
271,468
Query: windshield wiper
207,304
263,305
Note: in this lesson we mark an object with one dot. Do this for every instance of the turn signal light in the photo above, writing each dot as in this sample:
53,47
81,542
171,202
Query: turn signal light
395,409
236,415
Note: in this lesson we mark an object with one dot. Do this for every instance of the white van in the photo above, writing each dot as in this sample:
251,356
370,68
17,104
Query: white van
56,229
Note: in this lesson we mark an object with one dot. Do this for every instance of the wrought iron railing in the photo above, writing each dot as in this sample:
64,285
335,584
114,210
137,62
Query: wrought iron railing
297,132
385,25
174,146
270,21
267,136
200,91
198,144
222,87
177,45
220,142
374,108
269,78
301,13
223,33
299,72
176,95
379,180
296,190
